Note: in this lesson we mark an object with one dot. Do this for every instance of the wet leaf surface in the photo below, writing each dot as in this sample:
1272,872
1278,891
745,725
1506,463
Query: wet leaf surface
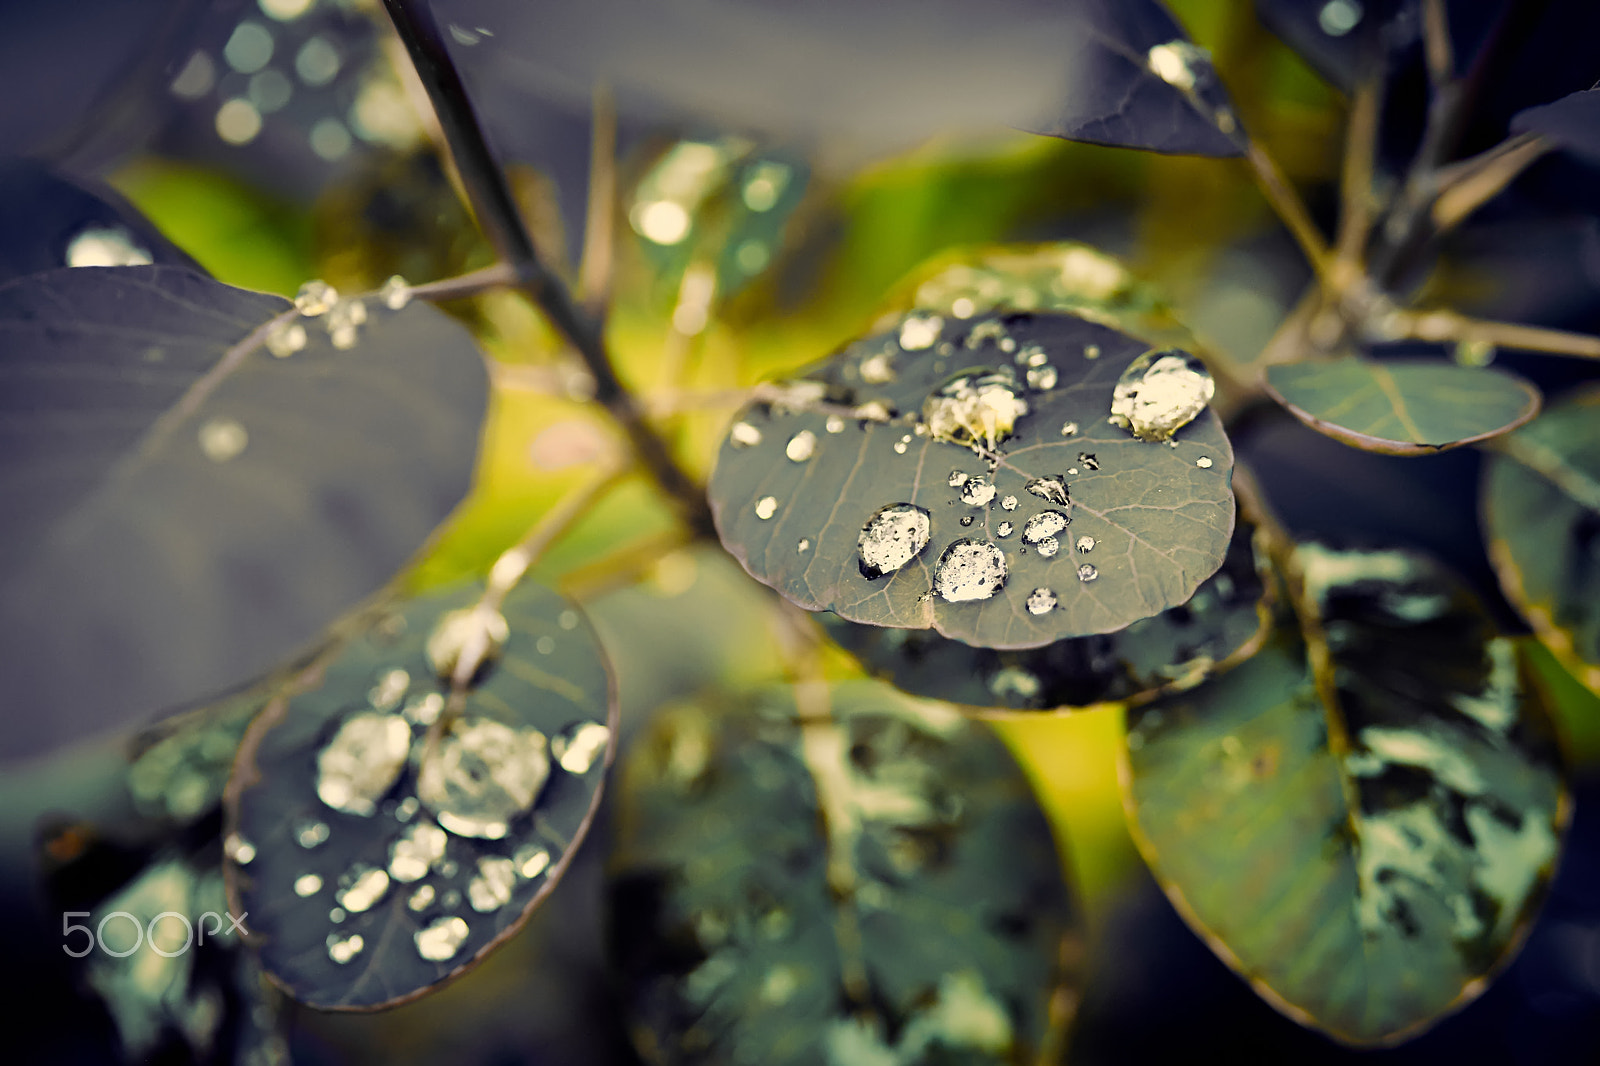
1403,408
1573,122
184,510
878,888
1223,622
1541,507
372,866
821,502
1366,858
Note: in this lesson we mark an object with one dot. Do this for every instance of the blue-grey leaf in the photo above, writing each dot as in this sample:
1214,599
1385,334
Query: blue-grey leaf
1573,122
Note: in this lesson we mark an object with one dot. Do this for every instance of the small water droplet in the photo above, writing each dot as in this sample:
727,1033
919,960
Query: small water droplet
891,538
963,307
834,424
1339,17
970,570
1178,63
1009,503
421,899
801,446
311,833
407,809
315,298
342,949
567,620
804,545
415,851
1041,601
483,774
337,915
1091,351
490,887
766,507
1042,378
396,293
318,62
240,850
878,370
1049,489
977,492
1069,429
307,885
1161,392
919,332
545,645
1005,529
285,338
442,938
1087,572
743,435
390,689
362,761
222,439
1204,462
966,520
424,710
1088,460
900,447
361,887
956,479
874,411
579,747
1085,544
531,860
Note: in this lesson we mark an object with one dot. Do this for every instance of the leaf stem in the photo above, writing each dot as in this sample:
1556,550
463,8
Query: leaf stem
1446,325
1290,208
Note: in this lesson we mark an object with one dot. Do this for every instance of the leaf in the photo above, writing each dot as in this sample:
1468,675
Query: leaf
184,511
1332,34
48,221
880,887
1223,623
1367,857
1402,407
1108,528
375,864
1573,122
1541,510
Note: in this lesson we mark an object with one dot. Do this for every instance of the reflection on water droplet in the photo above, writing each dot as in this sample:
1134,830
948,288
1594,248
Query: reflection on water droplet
310,833
1085,544
919,332
285,338
531,860
1009,503
482,775
442,938
1042,378
342,949
877,370
766,507
743,435
362,761
396,293
891,538
801,446
362,887
307,885
315,298
239,849
421,899
977,492
835,424
578,747
1069,429
249,48
1005,529
1041,601
1339,17
473,633
804,545
1160,393
1087,572
1049,489
415,851
970,570
105,247
490,887
238,122
222,439
1204,462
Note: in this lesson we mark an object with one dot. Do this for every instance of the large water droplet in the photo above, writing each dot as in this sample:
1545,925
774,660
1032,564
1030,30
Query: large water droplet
362,887
977,410
743,435
977,492
490,887
801,446
315,298
342,949
483,774
362,761
1160,393
1045,524
766,507
1050,489
442,938
1041,601
222,439
970,570
919,332
892,537
580,746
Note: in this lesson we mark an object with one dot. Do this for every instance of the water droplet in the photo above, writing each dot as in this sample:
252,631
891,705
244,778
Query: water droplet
307,885
956,479
317,63
874,411
424,710
1009,503
963,307
1005,529
978,410
1085,544
475,634
238,849
834,424
545,645
977,492
531,860
1339,17
579,746
1204,462
285,338
396,293
1178,63
1047,546
804,545
311,833
1088,460
992,330
966,520
891,538
900,447
105,247
568,620
249,48
743,435
315,298
1032,355
222,439
1087,572
482,775
337,915
970,570
490,887
344,321
342,949
766,507
362,761
877,370
1160,393
1042,525
919,332
421,899
1041,601
407,809
1042,378
801,446
1049,489
362,887
442,938
390,690
1069,429
1091,351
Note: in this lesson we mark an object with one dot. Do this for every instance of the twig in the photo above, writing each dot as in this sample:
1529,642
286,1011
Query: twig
1445,325
1290,208
598,264
1361,141
1468,185
1436,46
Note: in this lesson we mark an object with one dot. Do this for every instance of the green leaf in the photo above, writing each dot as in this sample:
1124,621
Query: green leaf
1366,857
876,887
375,863
1222,624
1403,408
1541,507
850,493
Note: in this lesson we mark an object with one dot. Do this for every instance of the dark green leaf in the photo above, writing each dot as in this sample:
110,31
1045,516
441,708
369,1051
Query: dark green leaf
1403,408
881,887
1369,858
375,862
183,509
1224,622
1573,122
1094,528
1542,520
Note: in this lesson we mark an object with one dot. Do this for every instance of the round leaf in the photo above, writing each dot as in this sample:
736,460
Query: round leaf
1223,623
880,887
375,859
1403,408
1542,520
800,489
1367,857
184,510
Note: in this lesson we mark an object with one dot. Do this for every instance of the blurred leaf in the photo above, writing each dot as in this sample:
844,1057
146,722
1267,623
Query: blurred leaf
880,887
1223,623
48,221
1366,857
1403,408
182,765
1573,122
1333,34
184,510
1541,508
376,859
824,507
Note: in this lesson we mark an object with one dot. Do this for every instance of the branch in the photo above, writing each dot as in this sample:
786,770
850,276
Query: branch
1441,326
1290,208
